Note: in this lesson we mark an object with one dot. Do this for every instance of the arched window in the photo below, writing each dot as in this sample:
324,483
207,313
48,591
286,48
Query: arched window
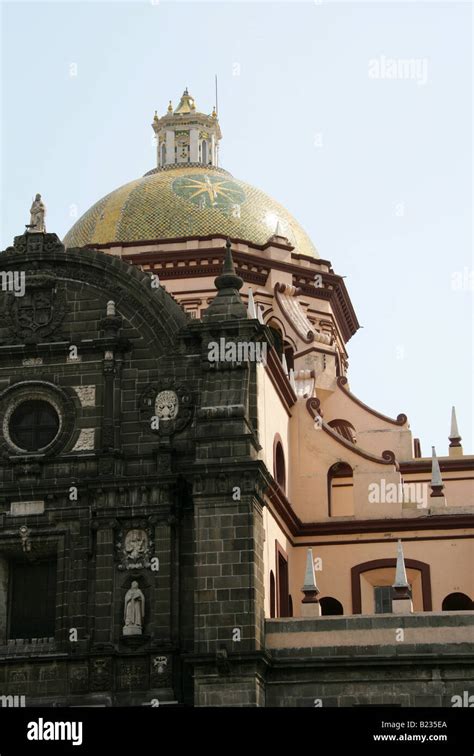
279,472
457,602
289,355
283,582
272,594
330,607
204,152
344,428
340,490
278,336
163,154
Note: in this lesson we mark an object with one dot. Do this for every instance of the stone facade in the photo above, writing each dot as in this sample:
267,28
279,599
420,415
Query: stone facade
158,475
177,507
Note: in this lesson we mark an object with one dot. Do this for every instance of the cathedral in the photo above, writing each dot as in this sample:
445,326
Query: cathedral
195,509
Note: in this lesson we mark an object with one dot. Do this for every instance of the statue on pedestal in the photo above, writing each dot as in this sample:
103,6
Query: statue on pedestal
37,215
134,610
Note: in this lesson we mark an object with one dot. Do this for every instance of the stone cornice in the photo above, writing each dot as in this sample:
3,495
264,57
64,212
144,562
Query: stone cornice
451,464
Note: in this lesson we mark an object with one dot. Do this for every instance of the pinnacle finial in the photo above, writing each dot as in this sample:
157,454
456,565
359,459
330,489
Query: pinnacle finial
227,304
170,107
251,311
310,574
228,260
454,436
401,594
437,484
310,588
400,572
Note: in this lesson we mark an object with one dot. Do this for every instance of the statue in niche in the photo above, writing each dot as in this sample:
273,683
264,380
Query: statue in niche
37,214
134,610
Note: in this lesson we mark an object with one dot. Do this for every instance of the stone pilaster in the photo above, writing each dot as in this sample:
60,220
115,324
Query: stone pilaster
104,584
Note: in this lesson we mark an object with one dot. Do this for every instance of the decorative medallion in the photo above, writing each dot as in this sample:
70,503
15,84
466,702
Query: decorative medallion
134,547
165,409
207,190
166,405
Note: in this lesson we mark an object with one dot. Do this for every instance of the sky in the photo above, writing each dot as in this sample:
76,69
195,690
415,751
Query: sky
355,116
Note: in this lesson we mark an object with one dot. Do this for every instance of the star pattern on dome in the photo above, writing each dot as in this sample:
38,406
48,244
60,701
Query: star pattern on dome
209,191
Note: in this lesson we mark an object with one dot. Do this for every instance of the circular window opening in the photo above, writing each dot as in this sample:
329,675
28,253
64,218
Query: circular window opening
34,424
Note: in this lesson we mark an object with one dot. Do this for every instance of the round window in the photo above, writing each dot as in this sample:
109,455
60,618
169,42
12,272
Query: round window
34,424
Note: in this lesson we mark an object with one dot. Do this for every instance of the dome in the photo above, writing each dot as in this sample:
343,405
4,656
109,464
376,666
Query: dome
186,201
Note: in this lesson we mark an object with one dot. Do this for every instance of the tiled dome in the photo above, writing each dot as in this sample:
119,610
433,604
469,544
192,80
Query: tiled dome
186,201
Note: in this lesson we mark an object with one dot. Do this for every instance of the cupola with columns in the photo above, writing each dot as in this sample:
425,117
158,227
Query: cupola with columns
184,136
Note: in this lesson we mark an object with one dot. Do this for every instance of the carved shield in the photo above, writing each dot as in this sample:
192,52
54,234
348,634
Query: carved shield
39,312
35,309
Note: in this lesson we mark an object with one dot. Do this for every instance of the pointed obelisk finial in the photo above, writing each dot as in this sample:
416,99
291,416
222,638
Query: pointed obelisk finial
229,266
279,235
401,597
400,572
278,229
310,606
251,310
455,448
437,484
227,304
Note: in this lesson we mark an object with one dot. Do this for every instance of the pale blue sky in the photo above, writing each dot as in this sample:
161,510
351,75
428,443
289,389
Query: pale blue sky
386,197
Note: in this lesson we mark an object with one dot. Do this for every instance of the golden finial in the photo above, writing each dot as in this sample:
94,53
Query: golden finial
214,114
155,117
170,107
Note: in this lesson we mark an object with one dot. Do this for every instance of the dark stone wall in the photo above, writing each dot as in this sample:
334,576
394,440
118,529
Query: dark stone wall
412,672
171,482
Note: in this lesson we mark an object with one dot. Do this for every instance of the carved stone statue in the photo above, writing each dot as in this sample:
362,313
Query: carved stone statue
136,544
134,610
37,215
166,405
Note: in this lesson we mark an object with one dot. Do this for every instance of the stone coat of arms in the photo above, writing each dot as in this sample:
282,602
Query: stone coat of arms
39,312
